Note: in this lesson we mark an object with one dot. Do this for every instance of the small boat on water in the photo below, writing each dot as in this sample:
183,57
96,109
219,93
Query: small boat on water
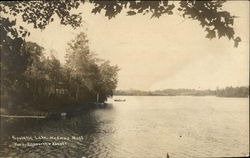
63,114
120,100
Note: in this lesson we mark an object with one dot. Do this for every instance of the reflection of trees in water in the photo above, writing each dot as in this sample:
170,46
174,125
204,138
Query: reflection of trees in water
87,124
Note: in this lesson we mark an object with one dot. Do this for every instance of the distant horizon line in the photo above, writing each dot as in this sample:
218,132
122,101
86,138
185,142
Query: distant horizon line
202,89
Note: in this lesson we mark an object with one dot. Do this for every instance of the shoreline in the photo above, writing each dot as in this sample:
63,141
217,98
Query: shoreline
40,114
185,96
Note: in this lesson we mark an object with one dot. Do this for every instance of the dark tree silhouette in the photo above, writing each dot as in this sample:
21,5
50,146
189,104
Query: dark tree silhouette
210,14
32,81
216,21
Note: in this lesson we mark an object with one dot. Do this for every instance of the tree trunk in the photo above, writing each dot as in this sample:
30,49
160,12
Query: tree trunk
77,93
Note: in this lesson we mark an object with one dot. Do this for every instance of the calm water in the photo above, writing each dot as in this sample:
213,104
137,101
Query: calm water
143,127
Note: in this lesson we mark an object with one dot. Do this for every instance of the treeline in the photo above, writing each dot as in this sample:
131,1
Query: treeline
165,92
240,92
193,92
225,92
29,79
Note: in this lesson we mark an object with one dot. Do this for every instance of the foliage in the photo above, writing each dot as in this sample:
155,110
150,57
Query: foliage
210,14
40,13
44,80
86,73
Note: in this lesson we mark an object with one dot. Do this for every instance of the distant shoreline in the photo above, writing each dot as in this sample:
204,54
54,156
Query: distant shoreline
180,95
228,92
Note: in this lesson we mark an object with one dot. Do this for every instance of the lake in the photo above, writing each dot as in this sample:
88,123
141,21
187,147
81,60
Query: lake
141,127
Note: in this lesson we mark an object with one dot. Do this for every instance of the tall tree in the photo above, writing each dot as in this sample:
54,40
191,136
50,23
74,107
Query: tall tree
88,72
108,80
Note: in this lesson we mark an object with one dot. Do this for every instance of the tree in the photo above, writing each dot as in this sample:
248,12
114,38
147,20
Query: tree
108,80
17,70
210,14
89,73
79,59
39,13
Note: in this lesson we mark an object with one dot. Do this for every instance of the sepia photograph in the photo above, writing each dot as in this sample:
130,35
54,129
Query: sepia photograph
124,79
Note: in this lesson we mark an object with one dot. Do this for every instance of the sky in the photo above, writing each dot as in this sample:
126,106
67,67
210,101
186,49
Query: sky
169,52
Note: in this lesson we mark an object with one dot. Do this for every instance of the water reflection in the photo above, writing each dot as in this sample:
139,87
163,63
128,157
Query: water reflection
141,127
87,124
